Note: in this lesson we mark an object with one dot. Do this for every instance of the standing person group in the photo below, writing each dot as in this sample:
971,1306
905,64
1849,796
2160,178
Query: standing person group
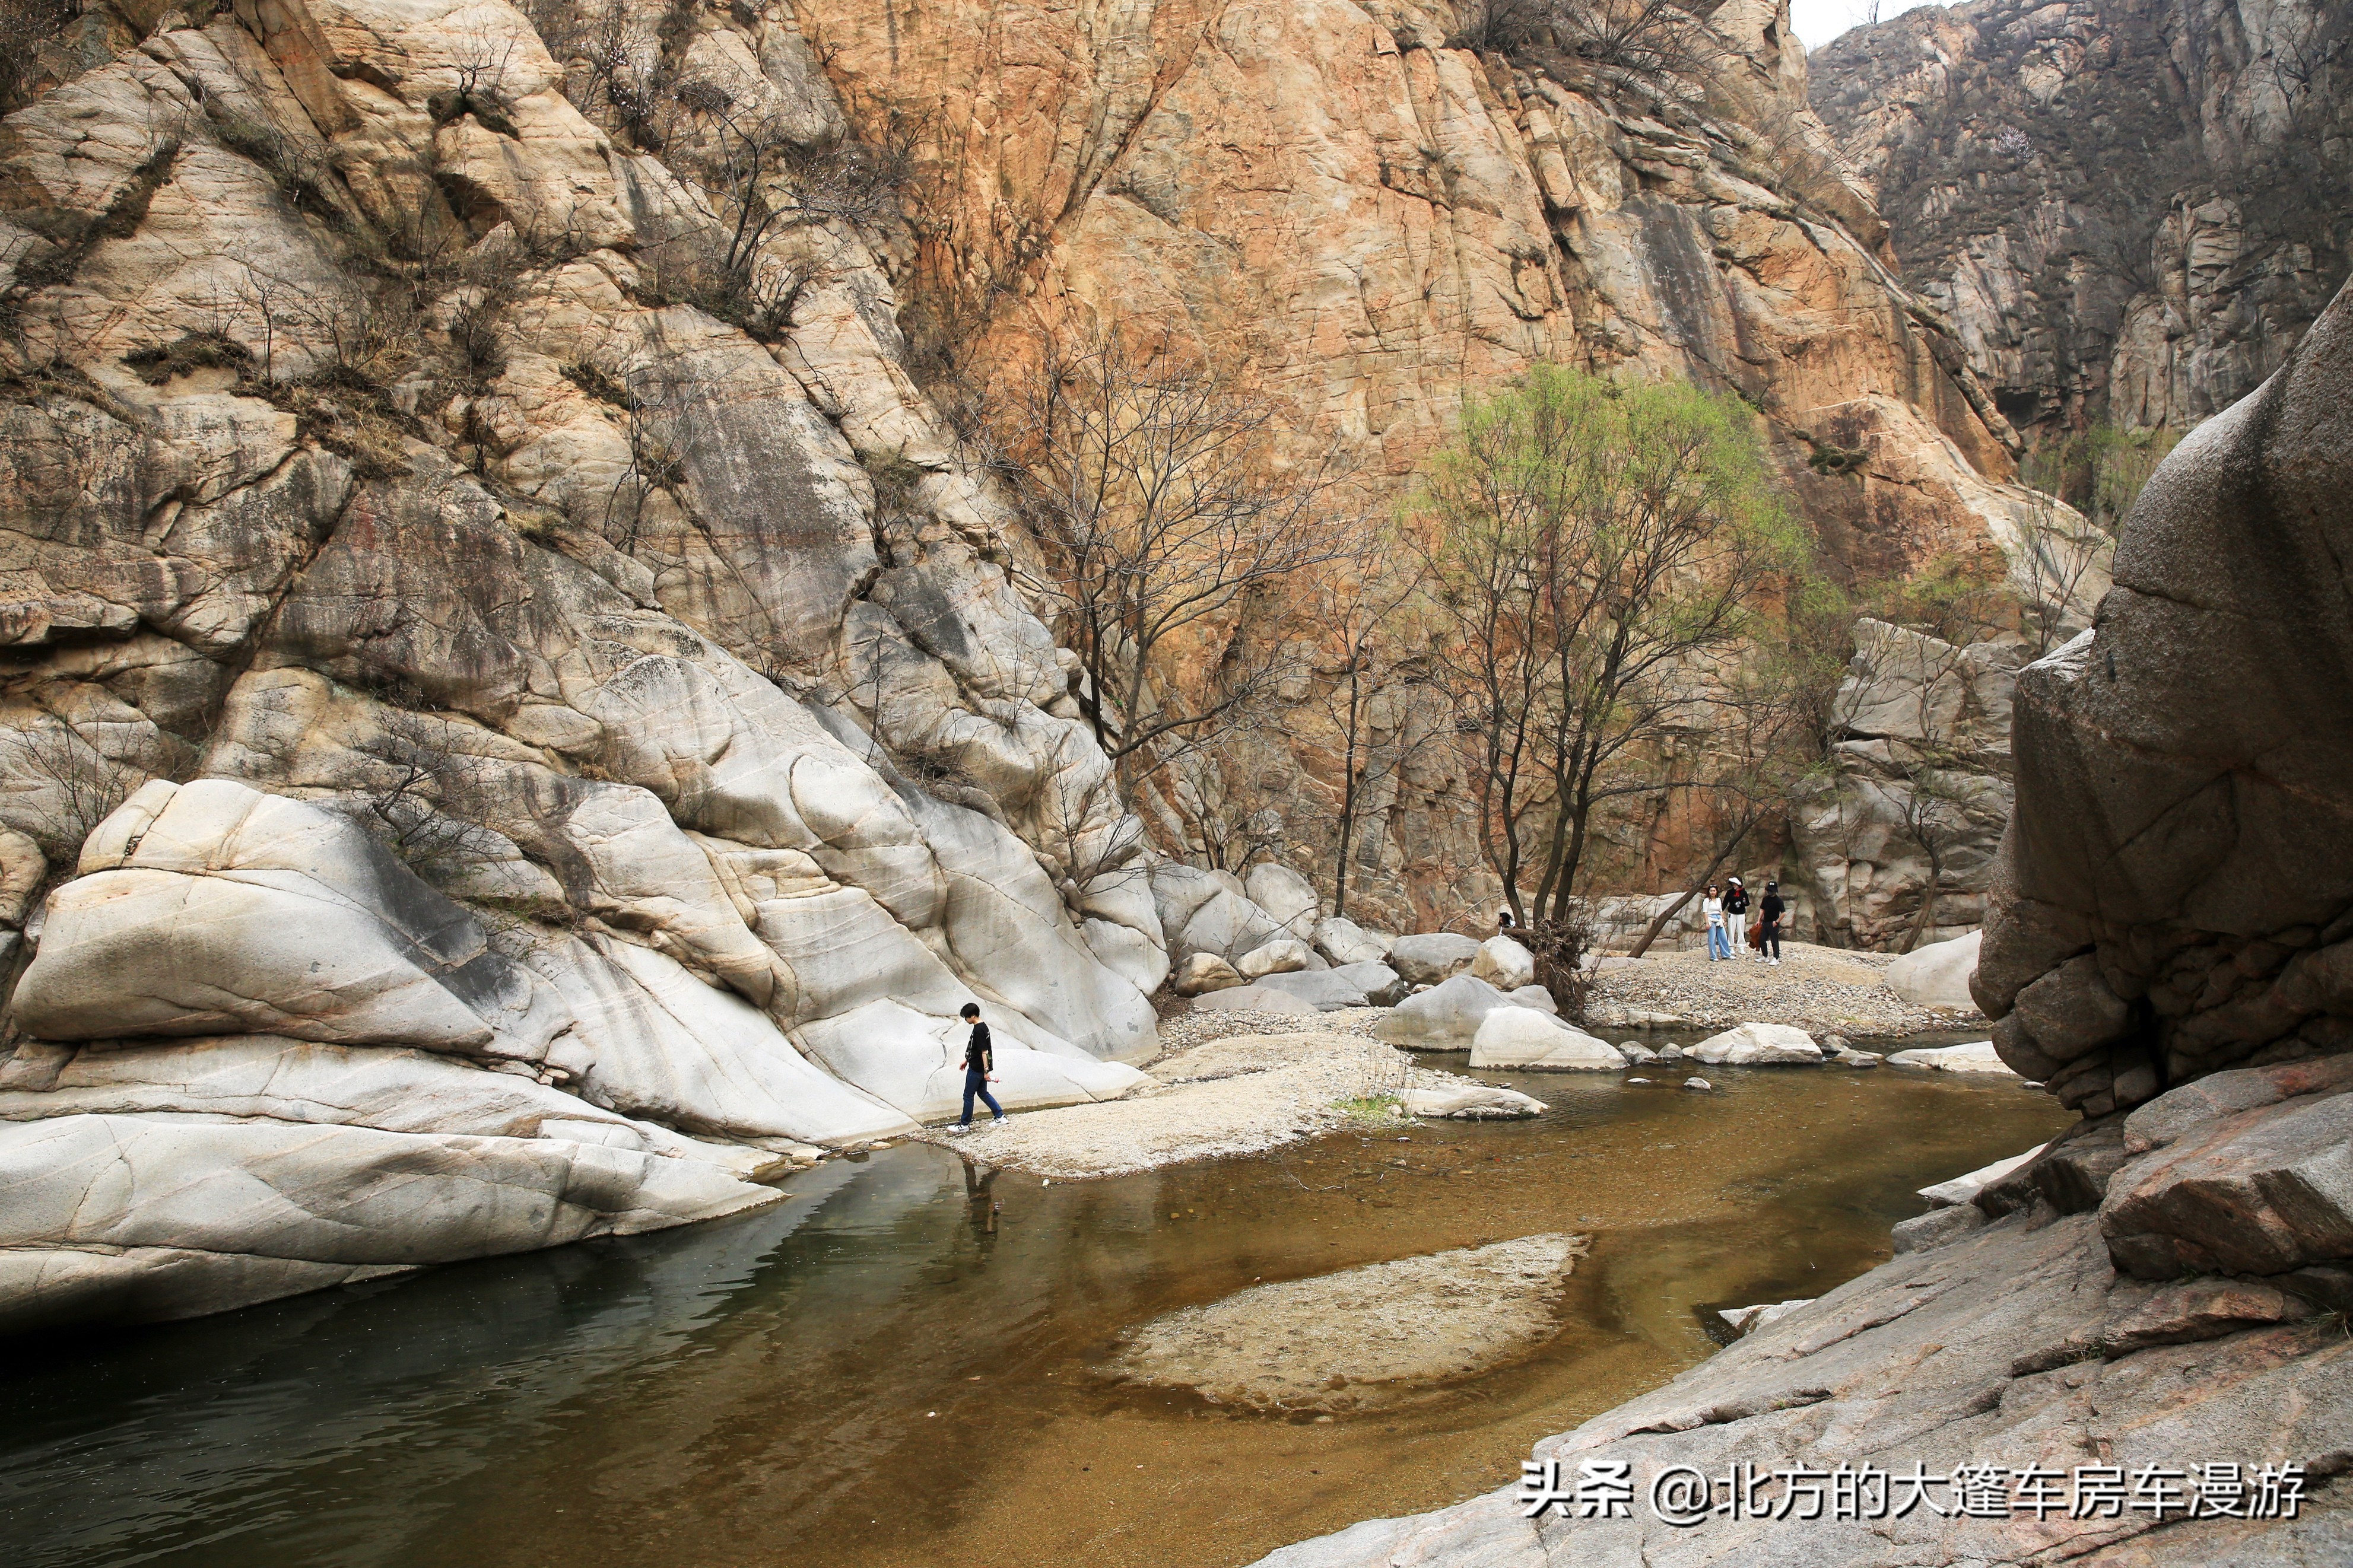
1727,912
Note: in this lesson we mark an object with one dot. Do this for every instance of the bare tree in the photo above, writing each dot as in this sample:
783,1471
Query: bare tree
79,785
1167,524
1591,547
426,795
1356,611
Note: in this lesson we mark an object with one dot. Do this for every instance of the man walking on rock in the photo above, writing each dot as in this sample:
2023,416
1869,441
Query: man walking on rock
977,1059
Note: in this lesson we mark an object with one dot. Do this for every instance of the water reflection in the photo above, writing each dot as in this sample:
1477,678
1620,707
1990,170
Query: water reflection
895,1362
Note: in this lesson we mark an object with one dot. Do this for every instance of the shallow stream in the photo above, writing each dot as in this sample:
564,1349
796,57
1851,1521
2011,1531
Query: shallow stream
895,1366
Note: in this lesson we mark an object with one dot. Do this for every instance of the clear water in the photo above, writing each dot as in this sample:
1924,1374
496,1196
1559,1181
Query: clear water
896,1365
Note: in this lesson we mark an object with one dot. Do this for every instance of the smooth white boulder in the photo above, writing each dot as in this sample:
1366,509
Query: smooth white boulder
1504,964
1283,955
140,1218
1263,998
1382,986
1977,1056
1937,976
392,1090
1206,911
1350,985
1443,1019
1758,1044
1535,996
1284,894
1470,1102
1962,1188
1344,941
1203,973
211,907
664,1044
1523,1038
1431,957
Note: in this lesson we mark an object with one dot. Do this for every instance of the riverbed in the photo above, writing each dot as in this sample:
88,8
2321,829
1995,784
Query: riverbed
903,1362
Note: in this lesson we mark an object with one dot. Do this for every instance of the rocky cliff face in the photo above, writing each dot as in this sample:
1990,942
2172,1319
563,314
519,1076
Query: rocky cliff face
593,780
2129,210
1375,224
2163,1288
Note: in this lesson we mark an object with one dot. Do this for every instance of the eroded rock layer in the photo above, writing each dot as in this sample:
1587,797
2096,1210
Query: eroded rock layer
491,728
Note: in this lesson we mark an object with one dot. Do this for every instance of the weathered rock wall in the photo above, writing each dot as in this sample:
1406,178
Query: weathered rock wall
592,781
1372,225
2177,880
2129,210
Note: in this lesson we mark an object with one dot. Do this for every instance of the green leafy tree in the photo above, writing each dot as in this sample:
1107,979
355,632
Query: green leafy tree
1595,552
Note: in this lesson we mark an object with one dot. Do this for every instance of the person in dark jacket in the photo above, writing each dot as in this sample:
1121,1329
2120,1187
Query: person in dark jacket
1770,912
978,1060
1736,916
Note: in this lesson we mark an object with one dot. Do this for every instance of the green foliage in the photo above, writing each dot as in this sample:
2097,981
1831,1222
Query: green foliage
1382,1108
1594,546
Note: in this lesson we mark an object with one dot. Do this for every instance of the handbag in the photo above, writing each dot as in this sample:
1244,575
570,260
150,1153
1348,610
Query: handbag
1757,935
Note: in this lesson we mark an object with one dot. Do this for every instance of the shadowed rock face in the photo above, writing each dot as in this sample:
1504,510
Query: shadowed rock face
2179,875
2127,211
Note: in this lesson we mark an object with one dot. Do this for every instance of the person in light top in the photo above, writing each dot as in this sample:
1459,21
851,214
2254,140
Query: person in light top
1712,905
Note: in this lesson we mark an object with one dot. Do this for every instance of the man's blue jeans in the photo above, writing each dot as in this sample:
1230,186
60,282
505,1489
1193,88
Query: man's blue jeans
976,1082
1719,945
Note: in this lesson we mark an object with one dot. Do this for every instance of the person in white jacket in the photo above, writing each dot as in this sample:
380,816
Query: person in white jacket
1719,945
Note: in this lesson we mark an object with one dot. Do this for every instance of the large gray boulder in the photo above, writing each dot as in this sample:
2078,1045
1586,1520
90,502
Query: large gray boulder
1349,985
1206,911
1522,1038
2247,1173
1343,940
1937,976
2175,882
1504,964
1443,1019
1265,997
1203,973
1429,958
1975,1057
1283,955
1758,1044
1286,895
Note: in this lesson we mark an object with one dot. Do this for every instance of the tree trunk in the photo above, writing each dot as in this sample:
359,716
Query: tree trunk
1660,923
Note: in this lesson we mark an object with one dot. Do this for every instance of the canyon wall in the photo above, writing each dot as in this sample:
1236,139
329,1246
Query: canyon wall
2129,210
486,761
1372,225
510,679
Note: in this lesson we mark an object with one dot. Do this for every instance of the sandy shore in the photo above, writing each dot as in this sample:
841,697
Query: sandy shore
1362,1337
1263,1082
1822,990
